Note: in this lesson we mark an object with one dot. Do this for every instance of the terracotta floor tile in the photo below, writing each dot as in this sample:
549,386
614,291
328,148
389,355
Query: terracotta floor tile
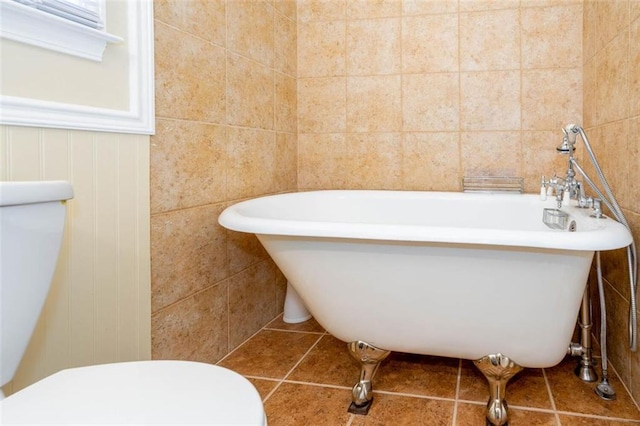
269,353
418,374
263,386
474,415
573,395
591,421
473,385
404,410
300,405
310,325
328,363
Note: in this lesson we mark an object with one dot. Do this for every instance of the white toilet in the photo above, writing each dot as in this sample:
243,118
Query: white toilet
143,392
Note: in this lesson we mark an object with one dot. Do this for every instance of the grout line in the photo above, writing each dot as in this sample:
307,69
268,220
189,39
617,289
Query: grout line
266,327
553,402
318,385
293,368
455,404
599,417
413,395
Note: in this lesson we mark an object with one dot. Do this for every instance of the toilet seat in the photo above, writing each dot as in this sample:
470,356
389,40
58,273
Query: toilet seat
141,392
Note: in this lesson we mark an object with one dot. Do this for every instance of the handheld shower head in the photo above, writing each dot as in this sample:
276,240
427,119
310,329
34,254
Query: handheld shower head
568,143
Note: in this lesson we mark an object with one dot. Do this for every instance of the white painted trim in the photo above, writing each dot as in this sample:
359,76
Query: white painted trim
139,118
35,27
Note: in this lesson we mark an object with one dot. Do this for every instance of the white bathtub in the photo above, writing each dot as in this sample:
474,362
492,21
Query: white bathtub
448,274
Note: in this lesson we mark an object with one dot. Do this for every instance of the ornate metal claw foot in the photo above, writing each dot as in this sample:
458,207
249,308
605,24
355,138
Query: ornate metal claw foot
498,369
369,357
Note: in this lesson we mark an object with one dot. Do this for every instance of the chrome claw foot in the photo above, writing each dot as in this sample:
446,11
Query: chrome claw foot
369,357
498,369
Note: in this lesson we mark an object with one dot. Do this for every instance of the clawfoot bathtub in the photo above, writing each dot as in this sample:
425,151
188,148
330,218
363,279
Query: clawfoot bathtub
474,276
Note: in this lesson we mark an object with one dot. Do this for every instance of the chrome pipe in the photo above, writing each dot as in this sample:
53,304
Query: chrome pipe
585,369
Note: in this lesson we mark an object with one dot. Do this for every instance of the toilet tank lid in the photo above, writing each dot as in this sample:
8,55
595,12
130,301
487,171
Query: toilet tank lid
32,192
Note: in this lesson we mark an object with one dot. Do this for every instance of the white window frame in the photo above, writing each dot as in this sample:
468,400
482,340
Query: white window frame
140,115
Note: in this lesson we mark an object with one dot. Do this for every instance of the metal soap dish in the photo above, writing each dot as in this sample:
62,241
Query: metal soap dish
555,219
493,184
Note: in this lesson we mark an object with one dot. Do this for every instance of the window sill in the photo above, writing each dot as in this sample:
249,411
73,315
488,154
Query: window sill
35,27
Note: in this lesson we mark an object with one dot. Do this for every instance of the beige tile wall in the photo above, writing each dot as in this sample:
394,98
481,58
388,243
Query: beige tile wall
226,130
415,94
410,94
612,121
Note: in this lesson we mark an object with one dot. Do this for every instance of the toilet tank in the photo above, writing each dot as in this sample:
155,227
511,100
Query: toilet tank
31,226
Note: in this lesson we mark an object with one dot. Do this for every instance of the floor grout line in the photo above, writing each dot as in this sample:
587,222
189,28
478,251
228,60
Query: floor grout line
283,380
550,393
454,420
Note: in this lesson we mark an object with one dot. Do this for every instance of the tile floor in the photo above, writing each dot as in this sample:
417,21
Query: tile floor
305,377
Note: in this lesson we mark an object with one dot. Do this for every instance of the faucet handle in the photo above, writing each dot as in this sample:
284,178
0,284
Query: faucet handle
543,189
597,209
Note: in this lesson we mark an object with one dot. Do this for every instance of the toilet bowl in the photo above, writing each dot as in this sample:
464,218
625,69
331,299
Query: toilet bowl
140,392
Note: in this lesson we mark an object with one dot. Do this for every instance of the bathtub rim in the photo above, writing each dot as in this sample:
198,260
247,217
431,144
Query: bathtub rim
608,235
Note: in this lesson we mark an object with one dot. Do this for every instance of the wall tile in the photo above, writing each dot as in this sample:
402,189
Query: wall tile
189,165
430,43
286,104
322,161
490,100
366,9
478,5
250,29
589,92
591,42
322,104
491,154
188,253
194,329
612,73
541,46
374,160
615,139
634,68
190,76
321,49
490,40
243,250
373,104
286,167
286,7
634,160
431,161
252,159
285,45
373,46
550,97
423,7
252,301
617,337
430,102
202,18
634,10
613,17
250,97
321,10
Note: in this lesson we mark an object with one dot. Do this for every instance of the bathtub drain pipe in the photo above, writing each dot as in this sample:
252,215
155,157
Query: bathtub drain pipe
585,369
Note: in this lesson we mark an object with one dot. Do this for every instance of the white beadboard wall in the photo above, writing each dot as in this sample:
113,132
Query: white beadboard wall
98,309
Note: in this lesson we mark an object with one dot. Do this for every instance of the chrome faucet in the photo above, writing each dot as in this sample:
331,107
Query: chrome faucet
569,188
